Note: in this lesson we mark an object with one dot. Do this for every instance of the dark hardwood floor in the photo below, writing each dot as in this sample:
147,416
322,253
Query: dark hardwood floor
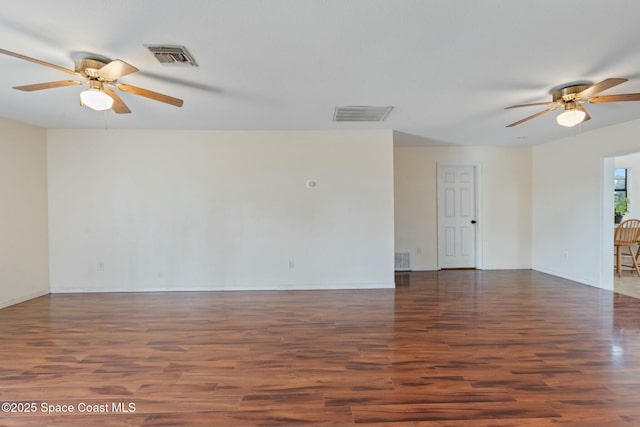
454,348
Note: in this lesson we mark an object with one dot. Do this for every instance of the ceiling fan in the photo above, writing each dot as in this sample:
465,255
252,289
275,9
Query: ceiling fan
100,77
572,97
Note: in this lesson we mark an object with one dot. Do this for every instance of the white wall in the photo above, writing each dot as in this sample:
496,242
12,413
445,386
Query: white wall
505,221
204,210
631,162
24,256
572,203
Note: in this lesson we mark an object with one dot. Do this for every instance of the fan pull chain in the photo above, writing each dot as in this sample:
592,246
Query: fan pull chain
106,120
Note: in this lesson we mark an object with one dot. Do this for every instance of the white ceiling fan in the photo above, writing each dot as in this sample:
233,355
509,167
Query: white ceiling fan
572,97
100,78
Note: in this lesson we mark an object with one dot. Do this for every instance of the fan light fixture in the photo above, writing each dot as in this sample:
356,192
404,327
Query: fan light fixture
571,117
95,98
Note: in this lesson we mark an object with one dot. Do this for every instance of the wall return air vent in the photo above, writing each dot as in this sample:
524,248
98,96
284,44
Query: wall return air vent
361,114
170,54
403,261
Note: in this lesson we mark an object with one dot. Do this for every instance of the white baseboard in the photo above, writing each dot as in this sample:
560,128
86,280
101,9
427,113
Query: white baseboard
573,278
424,268
507,267
486,267
22,298
189,288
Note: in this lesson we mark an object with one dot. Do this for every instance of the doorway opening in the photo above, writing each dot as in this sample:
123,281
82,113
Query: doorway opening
621,180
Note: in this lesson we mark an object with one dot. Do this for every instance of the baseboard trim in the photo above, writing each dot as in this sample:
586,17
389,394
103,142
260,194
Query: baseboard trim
213,288
424,268
22,298
490,267
507,267
573,278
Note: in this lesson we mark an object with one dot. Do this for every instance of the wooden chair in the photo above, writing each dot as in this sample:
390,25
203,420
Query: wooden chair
626,237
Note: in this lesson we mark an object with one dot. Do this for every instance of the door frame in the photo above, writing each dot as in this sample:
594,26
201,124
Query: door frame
477,174
607,166
607,280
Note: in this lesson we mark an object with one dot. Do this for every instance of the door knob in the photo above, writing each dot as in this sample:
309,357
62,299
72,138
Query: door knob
473,221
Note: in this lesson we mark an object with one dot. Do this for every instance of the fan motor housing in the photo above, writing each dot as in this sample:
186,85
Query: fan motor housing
568,93
89,67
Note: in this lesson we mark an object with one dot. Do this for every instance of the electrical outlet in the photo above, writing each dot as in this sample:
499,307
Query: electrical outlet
419,251
292,264
101,266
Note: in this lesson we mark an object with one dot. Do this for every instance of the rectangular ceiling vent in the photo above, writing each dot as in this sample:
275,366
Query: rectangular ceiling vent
169,54
361,114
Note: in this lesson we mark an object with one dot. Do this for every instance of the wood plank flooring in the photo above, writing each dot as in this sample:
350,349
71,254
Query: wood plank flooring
452,348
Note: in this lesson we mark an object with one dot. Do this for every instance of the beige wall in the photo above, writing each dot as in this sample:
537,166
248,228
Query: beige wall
505,201
198,210
24,253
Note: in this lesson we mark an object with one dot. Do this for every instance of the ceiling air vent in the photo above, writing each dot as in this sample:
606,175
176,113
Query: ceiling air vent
361,114
169,54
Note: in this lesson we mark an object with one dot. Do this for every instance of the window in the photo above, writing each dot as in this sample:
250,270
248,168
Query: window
620,183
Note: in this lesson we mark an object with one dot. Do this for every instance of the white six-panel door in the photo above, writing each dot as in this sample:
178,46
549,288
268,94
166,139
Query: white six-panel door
456,216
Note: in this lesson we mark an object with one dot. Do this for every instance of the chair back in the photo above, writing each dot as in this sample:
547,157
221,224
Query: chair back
627,232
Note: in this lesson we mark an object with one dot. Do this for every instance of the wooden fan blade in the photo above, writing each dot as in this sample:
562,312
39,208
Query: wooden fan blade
48,85
37,61
150,94
533,116
531,105
581,108
118,106
116,69
599,87
615,98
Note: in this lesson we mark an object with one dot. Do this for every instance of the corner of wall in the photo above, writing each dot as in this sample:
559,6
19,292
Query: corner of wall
24,249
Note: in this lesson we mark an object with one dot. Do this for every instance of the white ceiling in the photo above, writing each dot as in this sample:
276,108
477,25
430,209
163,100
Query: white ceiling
449,67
